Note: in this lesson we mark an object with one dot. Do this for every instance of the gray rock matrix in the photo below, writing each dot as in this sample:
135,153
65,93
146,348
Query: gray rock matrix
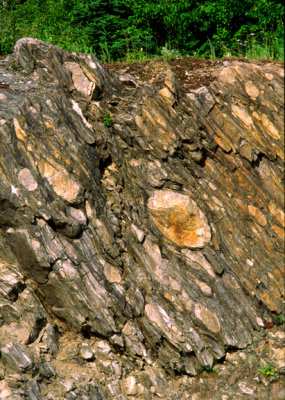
141,229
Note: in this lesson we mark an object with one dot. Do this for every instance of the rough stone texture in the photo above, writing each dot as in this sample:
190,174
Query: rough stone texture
179,219
136,255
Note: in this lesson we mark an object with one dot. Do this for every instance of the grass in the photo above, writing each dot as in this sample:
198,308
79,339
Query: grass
271,49
169,54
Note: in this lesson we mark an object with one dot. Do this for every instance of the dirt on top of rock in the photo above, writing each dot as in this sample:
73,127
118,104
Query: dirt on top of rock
190,72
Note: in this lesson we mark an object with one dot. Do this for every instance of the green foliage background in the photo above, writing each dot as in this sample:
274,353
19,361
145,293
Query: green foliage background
133,29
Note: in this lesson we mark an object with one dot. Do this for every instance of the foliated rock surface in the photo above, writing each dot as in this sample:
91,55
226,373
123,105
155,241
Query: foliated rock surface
141,227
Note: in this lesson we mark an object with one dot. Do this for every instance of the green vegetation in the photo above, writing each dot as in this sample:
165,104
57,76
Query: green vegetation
139,29
268,370
169,54
280,319
107,119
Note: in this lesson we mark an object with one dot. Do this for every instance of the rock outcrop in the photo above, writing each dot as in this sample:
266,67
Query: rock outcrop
141,226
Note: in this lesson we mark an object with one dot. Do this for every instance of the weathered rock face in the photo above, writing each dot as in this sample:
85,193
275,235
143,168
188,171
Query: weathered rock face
134,254
179,219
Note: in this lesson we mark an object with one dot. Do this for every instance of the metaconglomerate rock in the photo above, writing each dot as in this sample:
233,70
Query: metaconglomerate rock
141,226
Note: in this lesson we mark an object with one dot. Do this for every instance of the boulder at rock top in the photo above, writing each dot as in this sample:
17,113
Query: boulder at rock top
141,225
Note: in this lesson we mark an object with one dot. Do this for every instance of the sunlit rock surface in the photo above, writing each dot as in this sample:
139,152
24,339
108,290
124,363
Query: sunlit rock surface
179,219
137,254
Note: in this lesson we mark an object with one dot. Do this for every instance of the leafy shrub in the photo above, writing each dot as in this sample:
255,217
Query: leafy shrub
46,20
268,370
129,29
107,119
